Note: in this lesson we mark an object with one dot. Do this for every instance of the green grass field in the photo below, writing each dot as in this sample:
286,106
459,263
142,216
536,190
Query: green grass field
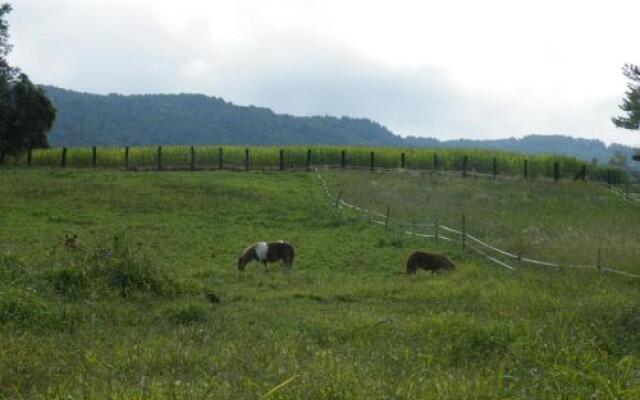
567,222
125,315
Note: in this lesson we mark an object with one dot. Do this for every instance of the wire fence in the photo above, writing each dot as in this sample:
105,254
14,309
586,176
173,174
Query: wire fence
469,241
467,162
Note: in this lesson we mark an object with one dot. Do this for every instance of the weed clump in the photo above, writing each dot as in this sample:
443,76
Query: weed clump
11,269
394,238
188,314
116,267
69,281
22,307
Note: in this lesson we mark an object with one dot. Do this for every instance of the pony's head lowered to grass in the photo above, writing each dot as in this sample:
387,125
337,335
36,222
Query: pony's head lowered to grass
247,256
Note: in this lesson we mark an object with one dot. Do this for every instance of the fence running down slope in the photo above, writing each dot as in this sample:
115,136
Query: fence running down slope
467,240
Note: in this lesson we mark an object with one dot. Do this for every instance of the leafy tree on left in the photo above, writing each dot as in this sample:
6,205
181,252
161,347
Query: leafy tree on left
26,114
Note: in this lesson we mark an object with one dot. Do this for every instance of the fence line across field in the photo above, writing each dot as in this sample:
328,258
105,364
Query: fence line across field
194,158
464,235
215,155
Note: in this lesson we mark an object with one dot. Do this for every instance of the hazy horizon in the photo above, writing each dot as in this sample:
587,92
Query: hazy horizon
451,70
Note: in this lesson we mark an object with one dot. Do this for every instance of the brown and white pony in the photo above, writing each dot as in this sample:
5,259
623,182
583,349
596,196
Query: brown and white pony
427,261
267,252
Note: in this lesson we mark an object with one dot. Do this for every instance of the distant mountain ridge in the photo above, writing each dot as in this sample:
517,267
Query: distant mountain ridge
86,119
585,149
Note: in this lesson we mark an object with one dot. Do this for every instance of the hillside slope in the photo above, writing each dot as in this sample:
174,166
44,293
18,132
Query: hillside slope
86,119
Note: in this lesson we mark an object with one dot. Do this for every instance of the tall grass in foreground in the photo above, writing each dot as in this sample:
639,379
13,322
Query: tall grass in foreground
268,157
128,316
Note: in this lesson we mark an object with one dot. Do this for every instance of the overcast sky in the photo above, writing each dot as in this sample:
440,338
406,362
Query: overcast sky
446,69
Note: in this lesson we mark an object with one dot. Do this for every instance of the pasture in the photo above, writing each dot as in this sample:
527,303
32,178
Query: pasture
125,312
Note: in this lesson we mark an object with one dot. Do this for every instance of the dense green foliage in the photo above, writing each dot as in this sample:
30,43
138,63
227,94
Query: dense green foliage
123,313
192,119
26,113
631,103
234,157
584,149
188,119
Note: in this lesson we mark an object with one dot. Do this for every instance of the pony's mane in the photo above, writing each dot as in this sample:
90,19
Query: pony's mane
248,249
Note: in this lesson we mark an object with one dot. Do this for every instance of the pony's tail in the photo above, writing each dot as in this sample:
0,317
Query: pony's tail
290,256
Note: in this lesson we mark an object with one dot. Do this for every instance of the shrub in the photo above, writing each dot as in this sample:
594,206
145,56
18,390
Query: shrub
69,281
11,269
117,266
22,307
126,270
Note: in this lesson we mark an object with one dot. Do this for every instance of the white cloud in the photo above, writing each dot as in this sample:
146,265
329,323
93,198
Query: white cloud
459,68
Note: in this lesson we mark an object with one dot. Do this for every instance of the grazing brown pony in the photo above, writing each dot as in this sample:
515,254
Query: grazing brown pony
427,261
267,252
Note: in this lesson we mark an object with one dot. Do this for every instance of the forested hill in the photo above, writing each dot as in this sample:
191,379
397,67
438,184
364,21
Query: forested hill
585,149
88,119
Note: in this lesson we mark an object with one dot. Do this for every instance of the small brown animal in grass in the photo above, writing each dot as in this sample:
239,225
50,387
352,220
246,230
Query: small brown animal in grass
427,261
71,241
212,297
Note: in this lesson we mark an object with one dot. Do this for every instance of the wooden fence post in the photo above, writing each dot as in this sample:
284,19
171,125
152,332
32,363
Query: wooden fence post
193,158
220,157
582,174
281,160
402,160
29,157
126,157
343,159
495,167
464,232
599,259
246,159
308,159
465,161
556,171
626,191
94,156
159,158
386,220
372,161
63,161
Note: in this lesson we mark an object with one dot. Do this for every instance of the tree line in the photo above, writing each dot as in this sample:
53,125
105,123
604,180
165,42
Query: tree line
26,113
194,119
